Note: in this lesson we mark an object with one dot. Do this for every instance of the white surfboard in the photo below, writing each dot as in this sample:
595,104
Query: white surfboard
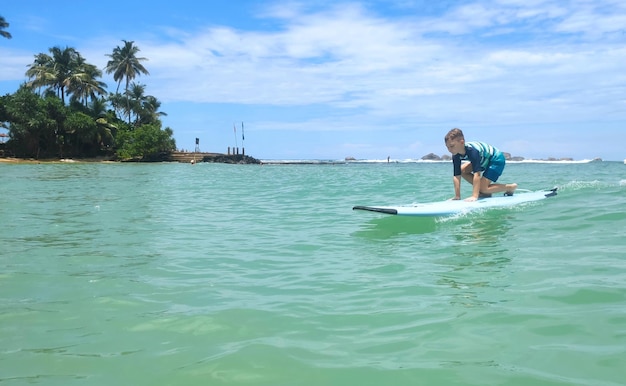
451,207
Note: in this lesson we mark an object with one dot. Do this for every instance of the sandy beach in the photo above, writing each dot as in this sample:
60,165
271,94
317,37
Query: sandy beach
53,160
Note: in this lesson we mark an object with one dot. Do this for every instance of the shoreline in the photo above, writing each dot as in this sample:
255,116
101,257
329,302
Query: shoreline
16,160
176,157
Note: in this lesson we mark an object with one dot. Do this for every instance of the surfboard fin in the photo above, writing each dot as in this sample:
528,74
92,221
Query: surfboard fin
552,192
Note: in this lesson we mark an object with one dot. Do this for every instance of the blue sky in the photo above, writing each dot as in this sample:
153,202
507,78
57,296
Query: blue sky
365,79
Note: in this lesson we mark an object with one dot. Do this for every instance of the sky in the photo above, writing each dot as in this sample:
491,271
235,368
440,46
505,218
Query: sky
365,79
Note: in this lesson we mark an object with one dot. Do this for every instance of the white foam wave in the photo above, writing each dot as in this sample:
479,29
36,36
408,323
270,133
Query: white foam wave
411,160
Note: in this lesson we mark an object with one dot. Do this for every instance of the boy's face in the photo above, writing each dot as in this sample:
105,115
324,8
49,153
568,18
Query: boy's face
456,146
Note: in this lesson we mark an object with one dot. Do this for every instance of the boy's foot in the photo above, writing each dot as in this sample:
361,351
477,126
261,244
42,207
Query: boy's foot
510,189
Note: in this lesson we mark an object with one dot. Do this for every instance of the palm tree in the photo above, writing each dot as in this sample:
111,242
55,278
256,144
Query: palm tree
66,72
144,107
85,85
3,25
41,71
106,130
135,97
125,64
57,71
119,103
150,110
98,107
65,63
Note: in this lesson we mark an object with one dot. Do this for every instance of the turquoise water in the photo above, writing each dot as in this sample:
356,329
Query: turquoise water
213,274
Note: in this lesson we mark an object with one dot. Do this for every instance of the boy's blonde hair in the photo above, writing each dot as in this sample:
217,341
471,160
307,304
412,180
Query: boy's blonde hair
454,134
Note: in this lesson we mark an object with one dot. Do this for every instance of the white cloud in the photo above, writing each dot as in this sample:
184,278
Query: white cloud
525,58
12,64
316,58
345,56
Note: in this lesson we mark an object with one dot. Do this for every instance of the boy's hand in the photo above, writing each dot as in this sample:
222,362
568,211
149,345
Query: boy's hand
470,199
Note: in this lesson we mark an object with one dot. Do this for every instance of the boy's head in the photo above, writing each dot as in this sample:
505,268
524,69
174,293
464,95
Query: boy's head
455,141
454,134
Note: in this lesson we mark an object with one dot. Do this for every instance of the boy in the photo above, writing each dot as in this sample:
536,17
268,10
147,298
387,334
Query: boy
483,159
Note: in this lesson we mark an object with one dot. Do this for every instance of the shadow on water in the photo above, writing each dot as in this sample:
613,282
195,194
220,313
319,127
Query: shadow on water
467,255
472,228
389,226
486,229
476,259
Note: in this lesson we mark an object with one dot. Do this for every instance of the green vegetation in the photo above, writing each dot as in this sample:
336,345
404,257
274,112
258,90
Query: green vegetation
64,110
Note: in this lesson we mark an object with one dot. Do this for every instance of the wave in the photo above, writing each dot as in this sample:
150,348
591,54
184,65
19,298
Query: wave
541,161
576,185
410,160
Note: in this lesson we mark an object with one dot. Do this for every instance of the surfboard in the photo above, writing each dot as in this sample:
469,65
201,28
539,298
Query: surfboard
452,207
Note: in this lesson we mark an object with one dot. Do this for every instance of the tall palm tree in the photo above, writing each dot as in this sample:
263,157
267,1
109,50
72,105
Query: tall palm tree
125,64
42,71
57,71
3,25
66,72
85,85
68,64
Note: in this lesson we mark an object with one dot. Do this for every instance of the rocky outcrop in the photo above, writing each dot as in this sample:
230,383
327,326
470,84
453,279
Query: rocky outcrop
231,159
189,157
507,156
431,157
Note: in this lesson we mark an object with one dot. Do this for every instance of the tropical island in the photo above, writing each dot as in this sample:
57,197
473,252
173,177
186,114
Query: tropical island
64,112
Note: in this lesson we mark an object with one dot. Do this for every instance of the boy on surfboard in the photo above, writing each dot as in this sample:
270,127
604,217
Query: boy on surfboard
485,166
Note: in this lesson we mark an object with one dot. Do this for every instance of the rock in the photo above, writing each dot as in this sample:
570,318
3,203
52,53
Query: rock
431,157
231,159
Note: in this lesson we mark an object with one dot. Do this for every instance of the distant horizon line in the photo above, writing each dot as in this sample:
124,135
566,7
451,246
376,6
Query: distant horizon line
418,160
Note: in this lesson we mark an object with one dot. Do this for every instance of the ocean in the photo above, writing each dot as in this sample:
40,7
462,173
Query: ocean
216,274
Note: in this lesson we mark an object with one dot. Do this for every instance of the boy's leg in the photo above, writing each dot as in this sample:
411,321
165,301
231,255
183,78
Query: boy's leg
491,175
466,173
486,186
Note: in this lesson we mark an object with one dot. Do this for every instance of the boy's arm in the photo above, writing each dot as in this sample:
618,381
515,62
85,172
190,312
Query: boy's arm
475,187
456,166
457,187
